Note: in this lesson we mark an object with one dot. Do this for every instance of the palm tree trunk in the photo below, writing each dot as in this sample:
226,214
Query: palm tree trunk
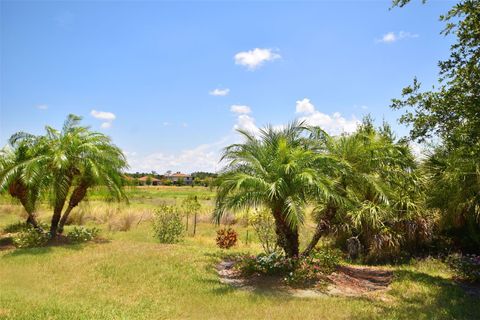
57,213
19,191
322,227
287,237
33,222
64,219
77,196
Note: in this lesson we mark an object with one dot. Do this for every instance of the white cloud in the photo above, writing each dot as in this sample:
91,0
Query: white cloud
334,124
204,157
42,107
304,106
108,118
240,109
184,124
219,92
247,123
166,123
391,37
106,125
255,58
244,121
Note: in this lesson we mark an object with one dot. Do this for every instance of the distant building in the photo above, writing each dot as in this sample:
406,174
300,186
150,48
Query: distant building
178,178
143,181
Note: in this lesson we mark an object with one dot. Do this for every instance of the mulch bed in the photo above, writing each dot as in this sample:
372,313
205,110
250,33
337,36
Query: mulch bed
346,281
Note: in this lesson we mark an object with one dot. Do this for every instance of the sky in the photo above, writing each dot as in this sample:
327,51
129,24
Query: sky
170,82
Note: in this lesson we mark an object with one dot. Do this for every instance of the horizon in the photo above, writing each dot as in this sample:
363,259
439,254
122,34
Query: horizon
170,82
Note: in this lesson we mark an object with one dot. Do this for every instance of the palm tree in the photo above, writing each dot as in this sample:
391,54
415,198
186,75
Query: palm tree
62,164
377,179
279,170
454,188
80,159
22,174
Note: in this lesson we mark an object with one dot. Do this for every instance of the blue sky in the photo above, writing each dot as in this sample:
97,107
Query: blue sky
154,75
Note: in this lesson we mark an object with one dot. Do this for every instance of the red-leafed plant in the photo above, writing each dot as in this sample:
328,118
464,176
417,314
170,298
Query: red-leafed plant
226,238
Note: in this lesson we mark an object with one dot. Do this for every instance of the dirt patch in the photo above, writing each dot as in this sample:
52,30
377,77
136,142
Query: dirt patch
346,281
355,280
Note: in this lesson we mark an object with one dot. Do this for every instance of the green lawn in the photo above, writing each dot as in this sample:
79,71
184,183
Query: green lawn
132,277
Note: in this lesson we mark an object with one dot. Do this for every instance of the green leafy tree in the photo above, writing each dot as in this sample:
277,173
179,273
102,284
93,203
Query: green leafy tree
191,206
449,115
149,181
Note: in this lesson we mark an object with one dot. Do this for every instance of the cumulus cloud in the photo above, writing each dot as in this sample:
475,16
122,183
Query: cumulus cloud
246,123
108,118
304,106
255,58
204,157
244,120
391,37
334,124
240,109
219,92
42,107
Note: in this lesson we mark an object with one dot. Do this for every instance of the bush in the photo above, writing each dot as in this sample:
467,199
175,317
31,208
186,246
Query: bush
167,224
30,238
313,268
300,271
226,238
264,226
22,226
467,266
16,227
82,234
270,264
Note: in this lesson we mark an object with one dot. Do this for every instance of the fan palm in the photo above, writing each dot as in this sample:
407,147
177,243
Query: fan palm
376,177
454,189
278,170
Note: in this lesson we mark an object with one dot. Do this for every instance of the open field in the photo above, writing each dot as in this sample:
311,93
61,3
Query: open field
131,276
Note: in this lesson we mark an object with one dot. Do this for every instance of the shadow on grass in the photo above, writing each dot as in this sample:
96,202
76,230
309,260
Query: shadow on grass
423,296
47,249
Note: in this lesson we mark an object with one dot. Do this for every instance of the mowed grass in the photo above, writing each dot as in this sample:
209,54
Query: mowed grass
131,276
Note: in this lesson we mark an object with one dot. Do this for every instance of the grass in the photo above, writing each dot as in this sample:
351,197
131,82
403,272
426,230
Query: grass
131,276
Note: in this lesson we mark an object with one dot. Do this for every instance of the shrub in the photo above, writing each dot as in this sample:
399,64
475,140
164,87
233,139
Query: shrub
22,226
467,266
264,226
167,224
30,238
16,227
226,238
314,267
298,271
82,234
